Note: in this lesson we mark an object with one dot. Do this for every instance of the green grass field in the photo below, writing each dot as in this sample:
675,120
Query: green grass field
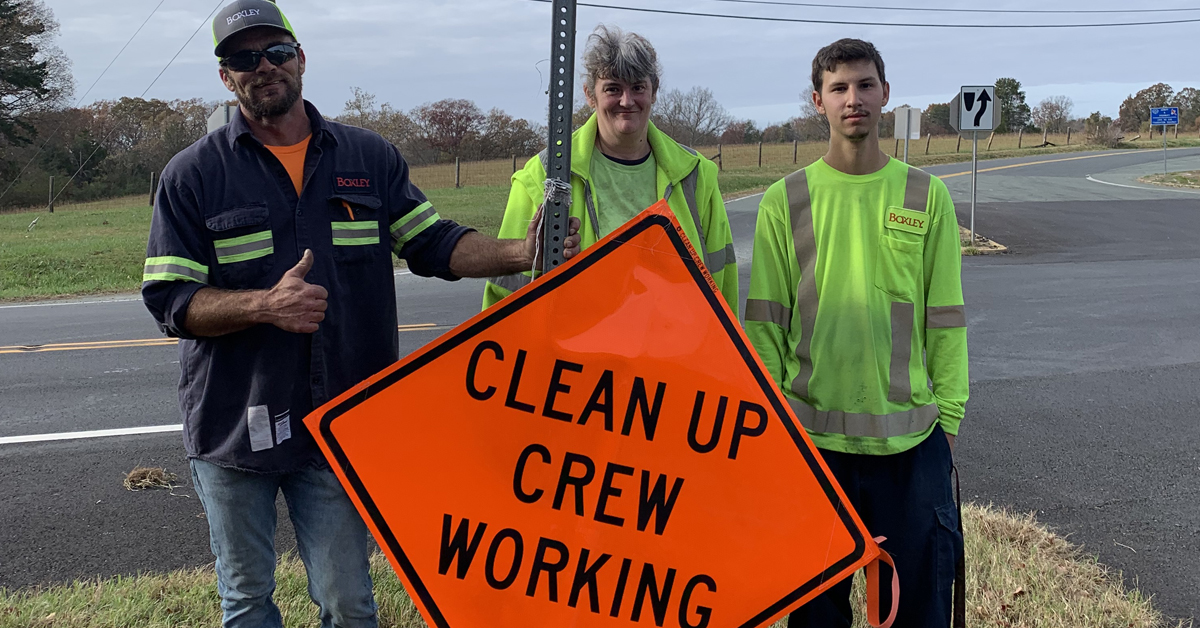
1018,575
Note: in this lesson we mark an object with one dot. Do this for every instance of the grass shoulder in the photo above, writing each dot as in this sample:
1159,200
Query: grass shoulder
1186,179
1018,574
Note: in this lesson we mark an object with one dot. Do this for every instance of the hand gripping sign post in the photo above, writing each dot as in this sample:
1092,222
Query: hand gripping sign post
602,448
974,109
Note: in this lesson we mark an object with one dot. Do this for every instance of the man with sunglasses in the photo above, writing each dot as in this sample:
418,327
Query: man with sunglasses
270,256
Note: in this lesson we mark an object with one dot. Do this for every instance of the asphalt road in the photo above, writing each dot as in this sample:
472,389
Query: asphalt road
1084,356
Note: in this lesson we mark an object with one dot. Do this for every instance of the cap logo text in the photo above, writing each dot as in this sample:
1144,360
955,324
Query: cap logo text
241,14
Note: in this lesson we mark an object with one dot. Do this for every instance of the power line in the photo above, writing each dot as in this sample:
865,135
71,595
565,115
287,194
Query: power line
85,94
759,18
142,95
954,10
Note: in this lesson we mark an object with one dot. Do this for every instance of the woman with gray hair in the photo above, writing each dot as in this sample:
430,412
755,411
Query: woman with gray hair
621,164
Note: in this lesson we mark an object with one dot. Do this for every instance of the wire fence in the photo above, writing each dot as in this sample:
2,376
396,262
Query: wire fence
497,172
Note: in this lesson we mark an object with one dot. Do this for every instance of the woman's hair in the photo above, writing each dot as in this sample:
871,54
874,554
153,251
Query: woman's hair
612,53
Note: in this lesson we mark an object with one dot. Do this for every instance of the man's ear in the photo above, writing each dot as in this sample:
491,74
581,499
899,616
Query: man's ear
225,79
818,103
300,60
887,94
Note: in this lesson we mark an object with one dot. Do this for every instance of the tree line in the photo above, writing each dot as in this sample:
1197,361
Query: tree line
113,148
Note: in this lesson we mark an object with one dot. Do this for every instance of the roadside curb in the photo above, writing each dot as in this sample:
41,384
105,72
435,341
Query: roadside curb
982,246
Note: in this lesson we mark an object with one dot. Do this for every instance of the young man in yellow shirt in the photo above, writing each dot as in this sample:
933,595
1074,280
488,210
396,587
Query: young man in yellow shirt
856,309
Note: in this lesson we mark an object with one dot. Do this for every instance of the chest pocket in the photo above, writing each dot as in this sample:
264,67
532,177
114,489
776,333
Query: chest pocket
899,269
245,248
354,227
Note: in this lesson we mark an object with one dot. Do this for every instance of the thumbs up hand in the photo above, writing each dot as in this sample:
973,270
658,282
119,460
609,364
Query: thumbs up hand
295,305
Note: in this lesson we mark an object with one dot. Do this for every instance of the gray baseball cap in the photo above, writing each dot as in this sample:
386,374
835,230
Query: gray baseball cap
240,15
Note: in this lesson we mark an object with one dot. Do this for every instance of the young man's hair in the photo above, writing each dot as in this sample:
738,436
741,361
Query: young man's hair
844,51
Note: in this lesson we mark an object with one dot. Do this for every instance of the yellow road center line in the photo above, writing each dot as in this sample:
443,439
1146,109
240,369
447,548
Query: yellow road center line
1045,161
151,342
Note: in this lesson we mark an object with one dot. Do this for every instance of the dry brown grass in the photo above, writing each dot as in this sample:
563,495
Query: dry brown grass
142,478
1019,575
1174,179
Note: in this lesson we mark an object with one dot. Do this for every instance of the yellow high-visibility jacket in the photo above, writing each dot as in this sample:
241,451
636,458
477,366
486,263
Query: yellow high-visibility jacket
687,181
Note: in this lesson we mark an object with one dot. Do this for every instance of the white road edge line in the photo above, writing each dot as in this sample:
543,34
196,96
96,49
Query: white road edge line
1138,187
123,431
401,272
10,307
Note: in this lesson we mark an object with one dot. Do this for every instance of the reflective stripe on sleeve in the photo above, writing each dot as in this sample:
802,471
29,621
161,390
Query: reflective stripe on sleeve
805,241
512,282
718,260
355,233
764,311
899,383
913,421
945,317
412,223
244,248
174,269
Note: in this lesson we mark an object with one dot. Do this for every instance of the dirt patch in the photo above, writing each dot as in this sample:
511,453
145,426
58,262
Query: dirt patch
981,246
1189,179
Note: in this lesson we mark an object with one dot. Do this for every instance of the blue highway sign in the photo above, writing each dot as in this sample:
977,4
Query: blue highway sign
1164,115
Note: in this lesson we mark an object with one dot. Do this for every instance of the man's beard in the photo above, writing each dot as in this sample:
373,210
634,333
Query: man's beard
271,106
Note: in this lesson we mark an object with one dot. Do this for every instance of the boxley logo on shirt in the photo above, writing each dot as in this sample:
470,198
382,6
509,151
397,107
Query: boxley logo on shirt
352,182
908,220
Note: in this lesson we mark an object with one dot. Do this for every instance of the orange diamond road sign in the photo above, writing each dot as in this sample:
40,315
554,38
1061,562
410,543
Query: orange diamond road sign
602,448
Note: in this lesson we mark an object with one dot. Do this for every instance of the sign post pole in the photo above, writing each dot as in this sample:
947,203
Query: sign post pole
1164,149
974,171
907,131
555,218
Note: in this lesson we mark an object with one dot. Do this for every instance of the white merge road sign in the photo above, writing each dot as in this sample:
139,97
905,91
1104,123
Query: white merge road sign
977,108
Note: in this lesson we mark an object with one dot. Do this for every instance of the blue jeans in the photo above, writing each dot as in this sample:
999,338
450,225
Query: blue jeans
907,497
331,537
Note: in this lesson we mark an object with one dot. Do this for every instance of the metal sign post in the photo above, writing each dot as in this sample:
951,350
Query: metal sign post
555,217
973,110
1164,116
974,174
906,129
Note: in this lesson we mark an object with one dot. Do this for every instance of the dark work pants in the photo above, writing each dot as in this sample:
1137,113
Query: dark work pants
908,498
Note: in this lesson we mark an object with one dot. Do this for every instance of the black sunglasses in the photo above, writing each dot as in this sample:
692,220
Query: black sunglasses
248,60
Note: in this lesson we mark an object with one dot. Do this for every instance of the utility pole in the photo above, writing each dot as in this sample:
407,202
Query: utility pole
555,218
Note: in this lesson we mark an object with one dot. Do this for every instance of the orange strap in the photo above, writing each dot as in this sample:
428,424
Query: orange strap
872,572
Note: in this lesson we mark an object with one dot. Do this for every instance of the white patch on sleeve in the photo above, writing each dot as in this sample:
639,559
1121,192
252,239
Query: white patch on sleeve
258,420
283,426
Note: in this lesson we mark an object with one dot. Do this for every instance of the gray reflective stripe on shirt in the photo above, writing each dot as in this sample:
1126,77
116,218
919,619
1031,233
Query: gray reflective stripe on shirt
764,311
689,197
244,248
355,233
916,189
800,212
718,260
899,383
915,421
404,229
174,269
591,209
945,317
512,282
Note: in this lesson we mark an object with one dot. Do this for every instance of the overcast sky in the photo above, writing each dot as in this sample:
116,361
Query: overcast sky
411,52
